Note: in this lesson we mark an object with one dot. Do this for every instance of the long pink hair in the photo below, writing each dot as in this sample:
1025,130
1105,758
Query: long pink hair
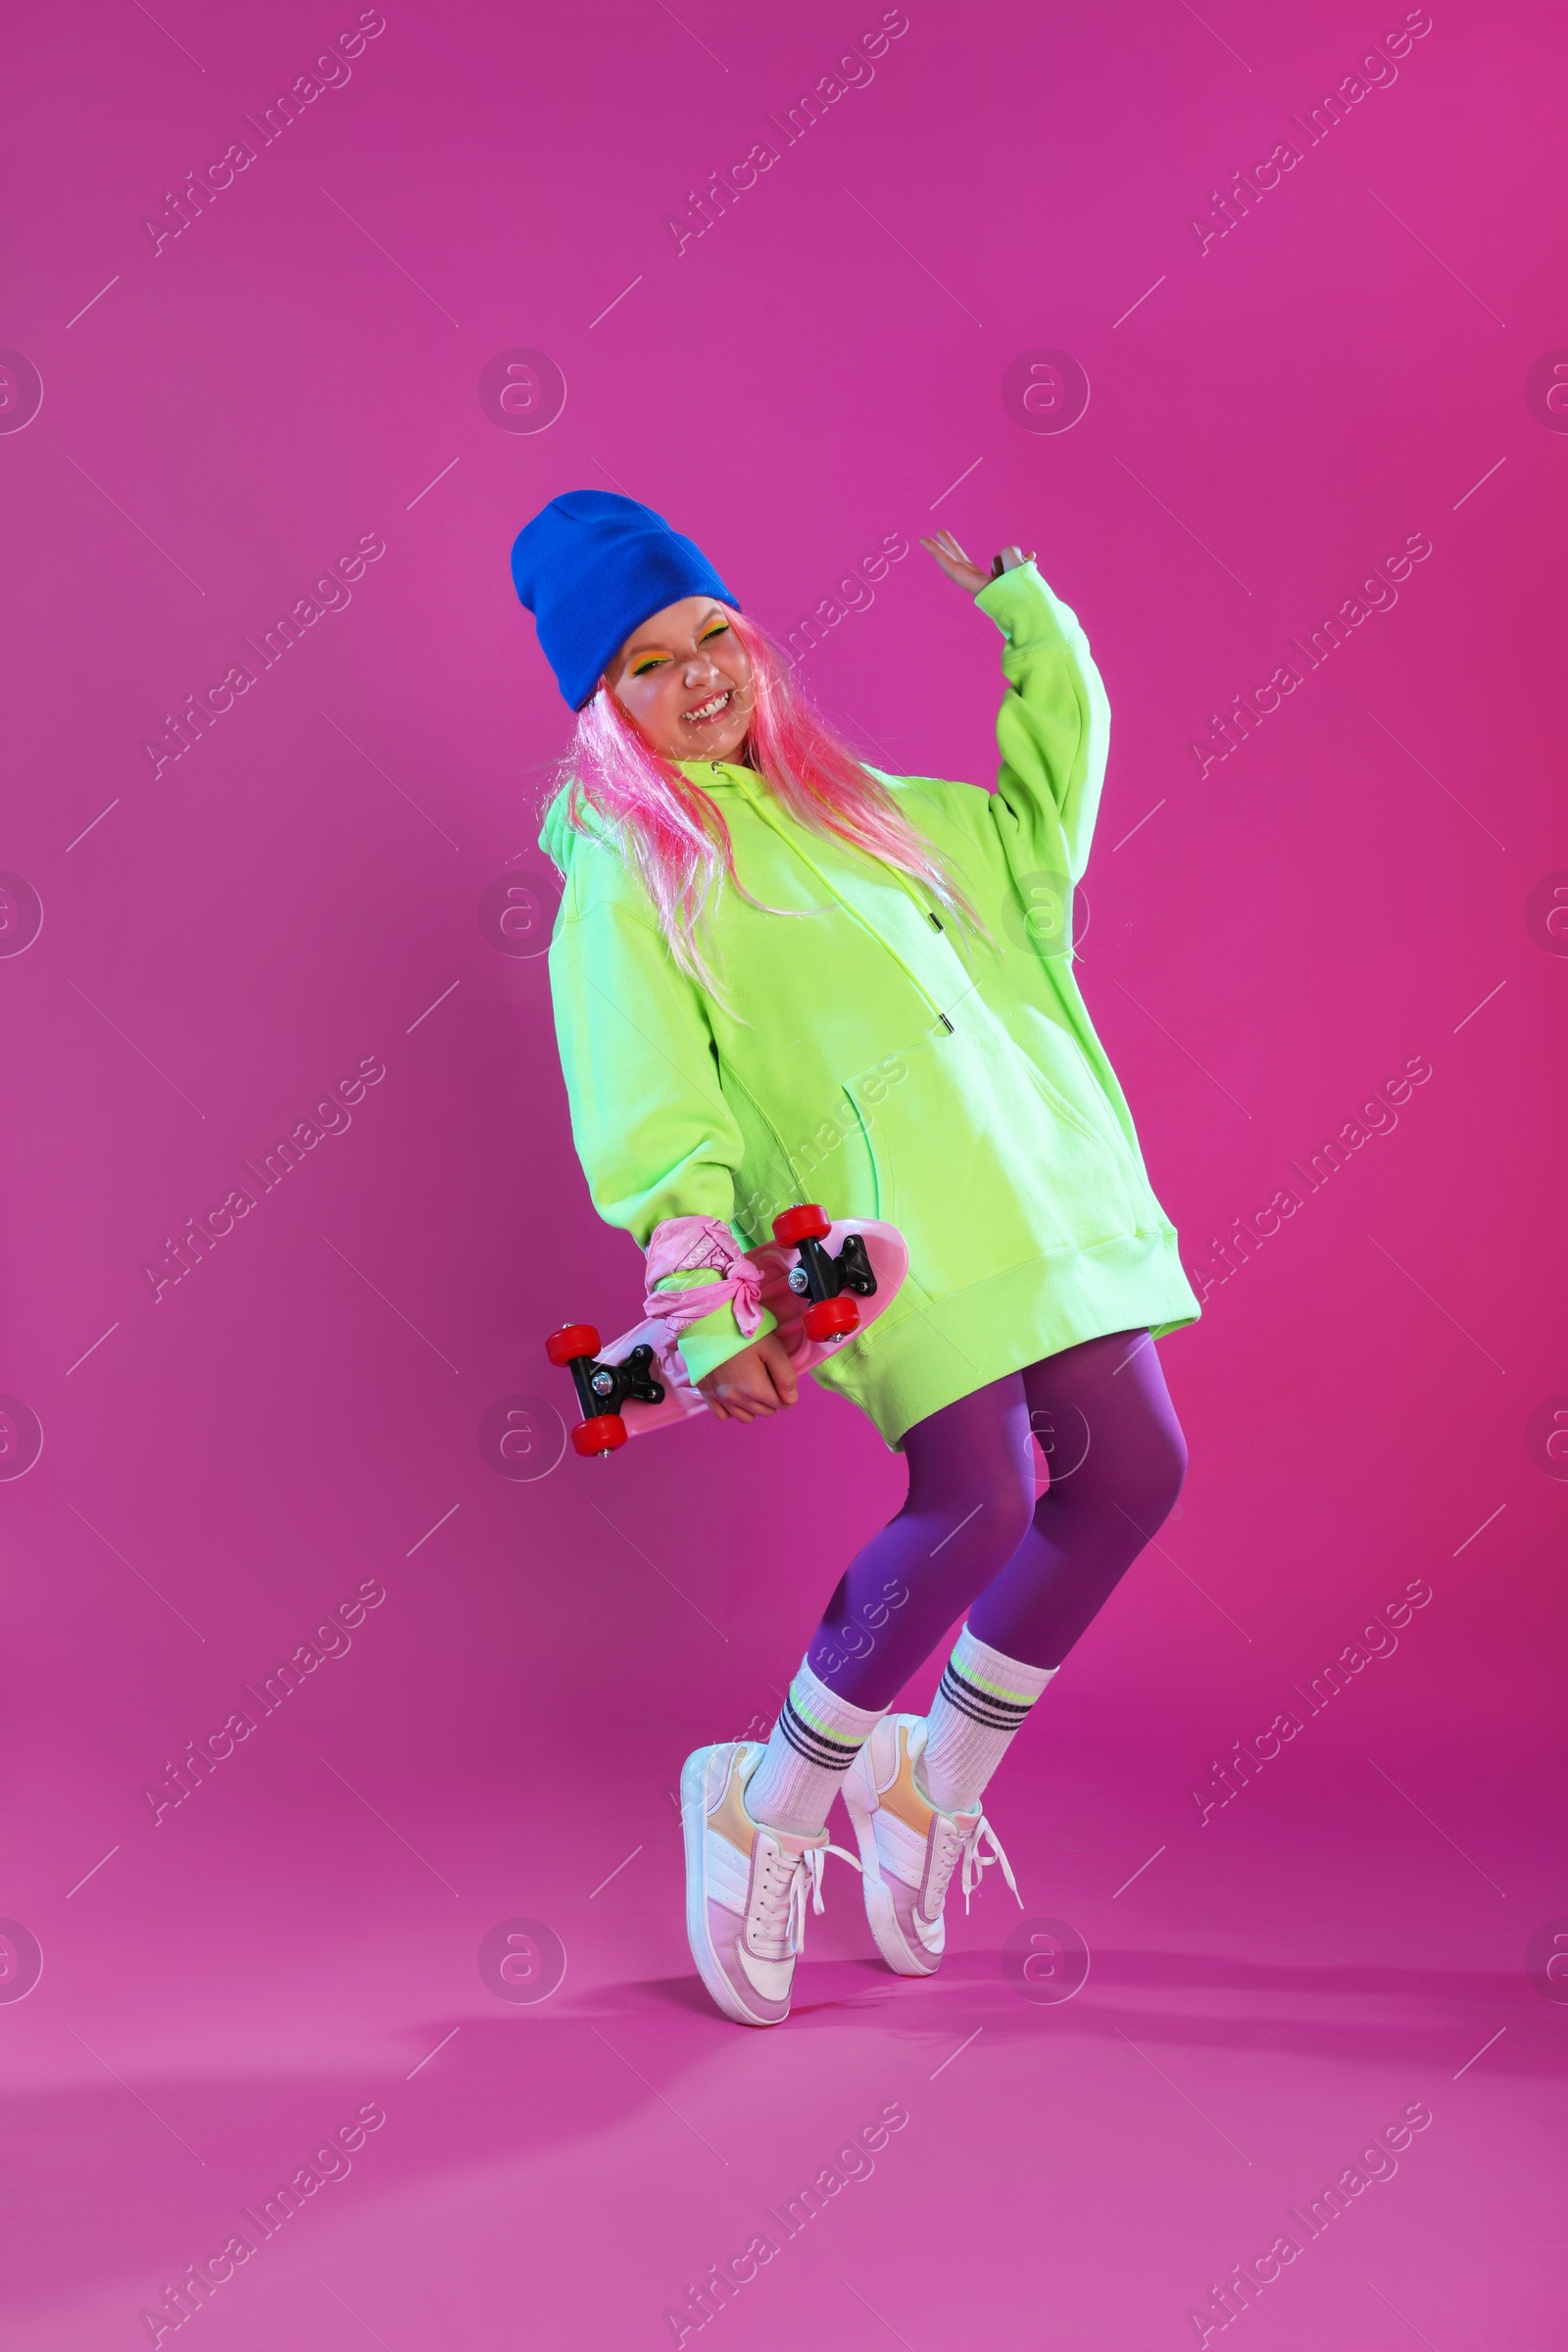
673,834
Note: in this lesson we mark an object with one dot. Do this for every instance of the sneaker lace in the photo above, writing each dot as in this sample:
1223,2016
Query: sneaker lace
976,1863
776,1928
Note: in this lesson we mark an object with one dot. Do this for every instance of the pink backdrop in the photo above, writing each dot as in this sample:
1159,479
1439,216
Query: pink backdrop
358,347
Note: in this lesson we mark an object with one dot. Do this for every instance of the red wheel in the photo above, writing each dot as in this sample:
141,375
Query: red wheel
803,1224
572,1339
830,1319
602,1435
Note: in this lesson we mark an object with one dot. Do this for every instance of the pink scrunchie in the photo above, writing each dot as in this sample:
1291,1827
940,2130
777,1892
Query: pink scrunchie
686,1246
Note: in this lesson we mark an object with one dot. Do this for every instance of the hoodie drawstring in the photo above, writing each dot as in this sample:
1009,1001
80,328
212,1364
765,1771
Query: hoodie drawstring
769,817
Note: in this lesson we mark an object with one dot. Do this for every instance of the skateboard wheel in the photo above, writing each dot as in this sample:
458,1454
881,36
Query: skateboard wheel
806,1223
602,1435
572,1340
830,1319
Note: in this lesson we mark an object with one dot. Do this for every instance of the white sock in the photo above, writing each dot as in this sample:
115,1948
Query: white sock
811,1746
982,1702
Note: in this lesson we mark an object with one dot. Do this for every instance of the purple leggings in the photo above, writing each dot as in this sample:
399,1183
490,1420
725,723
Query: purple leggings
971,1538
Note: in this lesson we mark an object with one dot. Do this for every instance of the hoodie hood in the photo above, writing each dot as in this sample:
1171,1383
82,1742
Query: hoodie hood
557,838
560,841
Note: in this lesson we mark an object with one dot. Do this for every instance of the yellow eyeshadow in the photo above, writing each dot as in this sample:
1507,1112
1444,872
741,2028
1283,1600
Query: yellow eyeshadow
650,661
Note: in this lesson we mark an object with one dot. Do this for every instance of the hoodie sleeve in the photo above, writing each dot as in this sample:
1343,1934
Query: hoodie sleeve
649,1118
1052,731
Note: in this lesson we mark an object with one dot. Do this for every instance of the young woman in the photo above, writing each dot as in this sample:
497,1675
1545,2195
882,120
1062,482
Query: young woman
781,975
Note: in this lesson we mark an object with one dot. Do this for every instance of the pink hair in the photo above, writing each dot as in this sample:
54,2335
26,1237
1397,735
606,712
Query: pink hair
673,834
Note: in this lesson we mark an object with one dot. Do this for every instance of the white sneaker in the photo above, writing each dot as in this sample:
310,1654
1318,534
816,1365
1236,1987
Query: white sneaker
910,1848
746,1886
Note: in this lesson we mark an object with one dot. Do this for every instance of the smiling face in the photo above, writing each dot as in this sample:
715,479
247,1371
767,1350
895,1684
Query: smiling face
686,679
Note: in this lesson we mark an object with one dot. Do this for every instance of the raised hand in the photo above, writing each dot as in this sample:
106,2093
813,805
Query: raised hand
969,576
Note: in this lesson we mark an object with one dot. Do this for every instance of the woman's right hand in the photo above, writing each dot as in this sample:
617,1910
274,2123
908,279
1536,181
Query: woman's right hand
752,1384
969,576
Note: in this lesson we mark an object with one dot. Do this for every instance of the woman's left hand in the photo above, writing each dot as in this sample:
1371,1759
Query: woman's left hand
753,1383
969,576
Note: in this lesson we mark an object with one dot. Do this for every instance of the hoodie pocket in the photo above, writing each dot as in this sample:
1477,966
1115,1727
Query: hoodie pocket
767,1179
983,1164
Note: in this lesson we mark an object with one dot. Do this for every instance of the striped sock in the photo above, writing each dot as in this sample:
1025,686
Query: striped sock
982,1701
814,1741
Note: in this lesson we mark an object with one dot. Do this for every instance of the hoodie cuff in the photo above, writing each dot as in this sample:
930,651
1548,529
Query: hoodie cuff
1022,607
713,1339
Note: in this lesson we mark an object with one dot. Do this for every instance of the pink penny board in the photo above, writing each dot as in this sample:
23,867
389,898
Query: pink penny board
890,1262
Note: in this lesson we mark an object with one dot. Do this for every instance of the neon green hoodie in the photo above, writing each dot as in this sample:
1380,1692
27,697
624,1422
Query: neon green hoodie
880,1058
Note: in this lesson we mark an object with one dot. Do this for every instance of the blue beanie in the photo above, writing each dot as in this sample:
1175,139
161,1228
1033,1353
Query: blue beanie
591,566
